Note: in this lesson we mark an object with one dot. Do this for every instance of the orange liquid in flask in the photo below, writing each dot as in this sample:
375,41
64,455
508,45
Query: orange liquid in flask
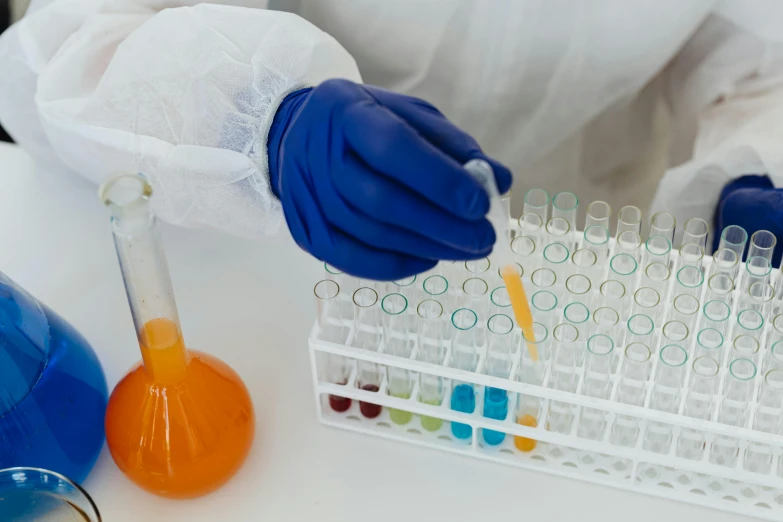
181,424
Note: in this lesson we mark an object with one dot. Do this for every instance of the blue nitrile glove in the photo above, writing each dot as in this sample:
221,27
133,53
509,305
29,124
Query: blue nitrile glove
753,203
372,181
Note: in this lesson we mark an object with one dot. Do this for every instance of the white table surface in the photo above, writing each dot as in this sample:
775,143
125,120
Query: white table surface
250,303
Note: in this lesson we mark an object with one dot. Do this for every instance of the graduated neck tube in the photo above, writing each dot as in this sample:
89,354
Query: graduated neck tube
146,276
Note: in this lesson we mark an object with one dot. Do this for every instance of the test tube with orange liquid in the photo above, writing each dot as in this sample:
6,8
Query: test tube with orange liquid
509,270
181,423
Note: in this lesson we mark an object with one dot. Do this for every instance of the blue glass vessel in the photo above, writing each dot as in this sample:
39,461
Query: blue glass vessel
52,390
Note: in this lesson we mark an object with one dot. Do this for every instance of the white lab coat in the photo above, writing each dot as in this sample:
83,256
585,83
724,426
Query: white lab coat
596,97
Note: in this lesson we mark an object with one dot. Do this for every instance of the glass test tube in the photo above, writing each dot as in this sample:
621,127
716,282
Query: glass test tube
744,347
662,224
622,268
657,249
437,287
647,301
674,332
686,310
629,218
716,315
692,255
398,341
762,244
477,268
524,249
565,205
596,238
632,389
657,276
578,315
757,270
612,294
500,302
769,412
348,284
699,401
537,202
709,343
578,288
555,257
733,410
606,322
331,328
501,350
598,214
543,278
734,238
773,358
600,364
531,226
689,281
720,288
367,336
629,242
464,356
543,306
725,261
586,263
558,230
695,232
475,296
666,396
406,287
759,298
564,377
750,322
431,330
641,329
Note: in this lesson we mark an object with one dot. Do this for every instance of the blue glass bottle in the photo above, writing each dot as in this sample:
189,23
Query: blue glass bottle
52,390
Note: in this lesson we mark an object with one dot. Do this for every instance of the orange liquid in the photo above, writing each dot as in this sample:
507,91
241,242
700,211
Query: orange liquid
181,425
523,443
516,293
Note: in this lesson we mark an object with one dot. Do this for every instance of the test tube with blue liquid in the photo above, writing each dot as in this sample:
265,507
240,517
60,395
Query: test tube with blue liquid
501,350
464,356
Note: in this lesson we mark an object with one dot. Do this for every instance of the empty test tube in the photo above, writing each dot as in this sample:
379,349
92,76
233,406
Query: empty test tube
709,343
600,363
524,250
725,261
331,328
564,377
596,238
537,202
716,315
674,332
666,396
606,322
629,242
773,358
750,322
398,342
578,315
699,401
578,288
430,331
691,254
598,214
657,276
367,336
695,232
734,238
762,244
407,287
477,267
769,412
555,258
657,249
720,288
686,310
647,301
464,356
612,293
543,278
689,281
733,410
500,302
622,268
501,350
759,298
558,230
641,329
663,224
629,218
565,205
631,390
475,296
543,305
586,263
757,270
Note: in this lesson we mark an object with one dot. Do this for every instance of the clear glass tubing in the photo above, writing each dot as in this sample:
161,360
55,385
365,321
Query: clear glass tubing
565,205
629,218
598,214
537,202
663,224
734,238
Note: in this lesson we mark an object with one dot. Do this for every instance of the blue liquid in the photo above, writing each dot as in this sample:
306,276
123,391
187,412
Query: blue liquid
463,399
52,390
495,407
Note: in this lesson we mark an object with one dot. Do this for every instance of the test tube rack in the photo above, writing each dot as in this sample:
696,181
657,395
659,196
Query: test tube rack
666,474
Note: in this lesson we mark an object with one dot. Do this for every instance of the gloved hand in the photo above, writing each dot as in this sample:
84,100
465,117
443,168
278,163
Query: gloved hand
372,181
753,203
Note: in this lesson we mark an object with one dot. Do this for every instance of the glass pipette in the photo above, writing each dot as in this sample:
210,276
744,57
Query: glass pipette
482,172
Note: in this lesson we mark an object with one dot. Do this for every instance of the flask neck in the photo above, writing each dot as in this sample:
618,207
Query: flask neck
146,276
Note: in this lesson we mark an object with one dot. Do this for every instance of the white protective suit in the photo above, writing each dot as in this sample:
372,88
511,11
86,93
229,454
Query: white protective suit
569,94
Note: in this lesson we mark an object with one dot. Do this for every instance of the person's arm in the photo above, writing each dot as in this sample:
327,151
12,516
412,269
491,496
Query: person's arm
184,95
726,94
